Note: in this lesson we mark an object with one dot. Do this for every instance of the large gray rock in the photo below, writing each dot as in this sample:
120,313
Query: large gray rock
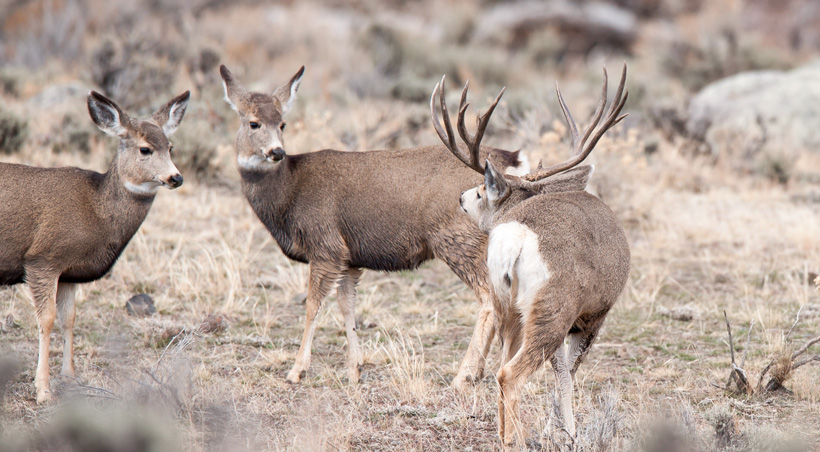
759,116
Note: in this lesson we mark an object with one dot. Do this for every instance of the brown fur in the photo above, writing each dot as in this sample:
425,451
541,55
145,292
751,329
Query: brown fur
345,211
558,260
62,226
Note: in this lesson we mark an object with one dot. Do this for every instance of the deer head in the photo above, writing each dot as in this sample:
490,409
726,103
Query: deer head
501,191
143,159
260,144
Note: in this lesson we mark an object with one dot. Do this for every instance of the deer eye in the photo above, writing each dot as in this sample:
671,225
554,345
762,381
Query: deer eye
146,151
282,126
255,125
477,194
171,149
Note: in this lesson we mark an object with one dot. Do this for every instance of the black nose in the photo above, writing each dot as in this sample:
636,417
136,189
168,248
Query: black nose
276,154
176,180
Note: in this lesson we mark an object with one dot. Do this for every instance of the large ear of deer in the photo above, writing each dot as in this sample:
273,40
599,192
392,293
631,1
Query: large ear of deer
170,115
235,94
495,183
286,94
107,115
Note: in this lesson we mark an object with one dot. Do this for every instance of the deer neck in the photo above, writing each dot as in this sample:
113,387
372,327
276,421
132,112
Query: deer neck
122,210
269,191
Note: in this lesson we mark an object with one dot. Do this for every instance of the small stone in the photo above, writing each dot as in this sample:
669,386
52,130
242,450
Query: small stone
300,298
213,323
140,305
681,314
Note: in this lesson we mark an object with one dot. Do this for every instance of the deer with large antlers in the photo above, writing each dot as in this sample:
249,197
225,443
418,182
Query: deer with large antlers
557,257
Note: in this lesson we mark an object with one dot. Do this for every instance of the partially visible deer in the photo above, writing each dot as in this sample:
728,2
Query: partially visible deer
60,227
557,260
342,212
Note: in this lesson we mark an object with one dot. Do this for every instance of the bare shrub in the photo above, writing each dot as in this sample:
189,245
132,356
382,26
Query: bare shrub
136,69
45,30
13,132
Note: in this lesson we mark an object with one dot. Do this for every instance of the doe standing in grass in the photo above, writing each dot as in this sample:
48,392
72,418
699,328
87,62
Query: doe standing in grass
342,212
557,261
64,226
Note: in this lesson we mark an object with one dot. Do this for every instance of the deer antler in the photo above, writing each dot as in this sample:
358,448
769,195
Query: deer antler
446,133
580,151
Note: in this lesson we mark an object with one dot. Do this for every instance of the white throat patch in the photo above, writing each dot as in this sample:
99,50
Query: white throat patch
254,162
145,188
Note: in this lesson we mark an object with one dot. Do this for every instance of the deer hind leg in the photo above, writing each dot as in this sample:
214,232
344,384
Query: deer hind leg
321,279
43,289
509,334
65,313
580,343
347,302
563,381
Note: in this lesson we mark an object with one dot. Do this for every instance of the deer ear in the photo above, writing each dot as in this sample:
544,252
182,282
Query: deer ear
286,94
497,187
235,93
170,115
108,116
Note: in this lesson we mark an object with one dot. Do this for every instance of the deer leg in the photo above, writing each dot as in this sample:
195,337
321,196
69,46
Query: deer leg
472,367
347,302
563,380
320,281
65,313
580,343
43,289
509,334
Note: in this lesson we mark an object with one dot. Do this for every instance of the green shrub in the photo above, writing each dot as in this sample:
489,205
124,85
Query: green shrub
13,132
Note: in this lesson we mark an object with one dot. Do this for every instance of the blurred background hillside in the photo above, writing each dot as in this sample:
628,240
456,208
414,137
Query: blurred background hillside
380,59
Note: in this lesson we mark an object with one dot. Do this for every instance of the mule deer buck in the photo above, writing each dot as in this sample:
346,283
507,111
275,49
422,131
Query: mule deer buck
342,212
63,226
557,260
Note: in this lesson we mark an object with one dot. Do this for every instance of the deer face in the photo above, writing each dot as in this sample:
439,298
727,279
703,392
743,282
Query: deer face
260,143
144,154
482,202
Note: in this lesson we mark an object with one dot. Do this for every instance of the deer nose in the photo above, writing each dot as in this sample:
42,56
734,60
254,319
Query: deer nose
275,154
175,180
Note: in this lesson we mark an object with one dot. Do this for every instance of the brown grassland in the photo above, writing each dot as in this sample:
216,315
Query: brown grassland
707,235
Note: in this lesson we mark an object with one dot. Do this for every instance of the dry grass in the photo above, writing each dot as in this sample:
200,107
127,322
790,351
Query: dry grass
703,238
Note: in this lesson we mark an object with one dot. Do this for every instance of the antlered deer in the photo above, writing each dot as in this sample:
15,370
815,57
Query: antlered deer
63,226
342,212
557,260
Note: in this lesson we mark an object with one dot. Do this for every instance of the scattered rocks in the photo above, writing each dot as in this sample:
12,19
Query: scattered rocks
141,305
213,323
8,324
682,313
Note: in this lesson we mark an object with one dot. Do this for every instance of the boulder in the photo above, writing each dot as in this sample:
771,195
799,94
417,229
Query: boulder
760,116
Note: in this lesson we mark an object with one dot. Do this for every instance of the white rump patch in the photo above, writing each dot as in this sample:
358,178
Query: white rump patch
145,188
513,260
523,167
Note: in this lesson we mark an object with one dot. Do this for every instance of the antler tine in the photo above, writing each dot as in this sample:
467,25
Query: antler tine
473,142
599,110
612,117
447,137
582,151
